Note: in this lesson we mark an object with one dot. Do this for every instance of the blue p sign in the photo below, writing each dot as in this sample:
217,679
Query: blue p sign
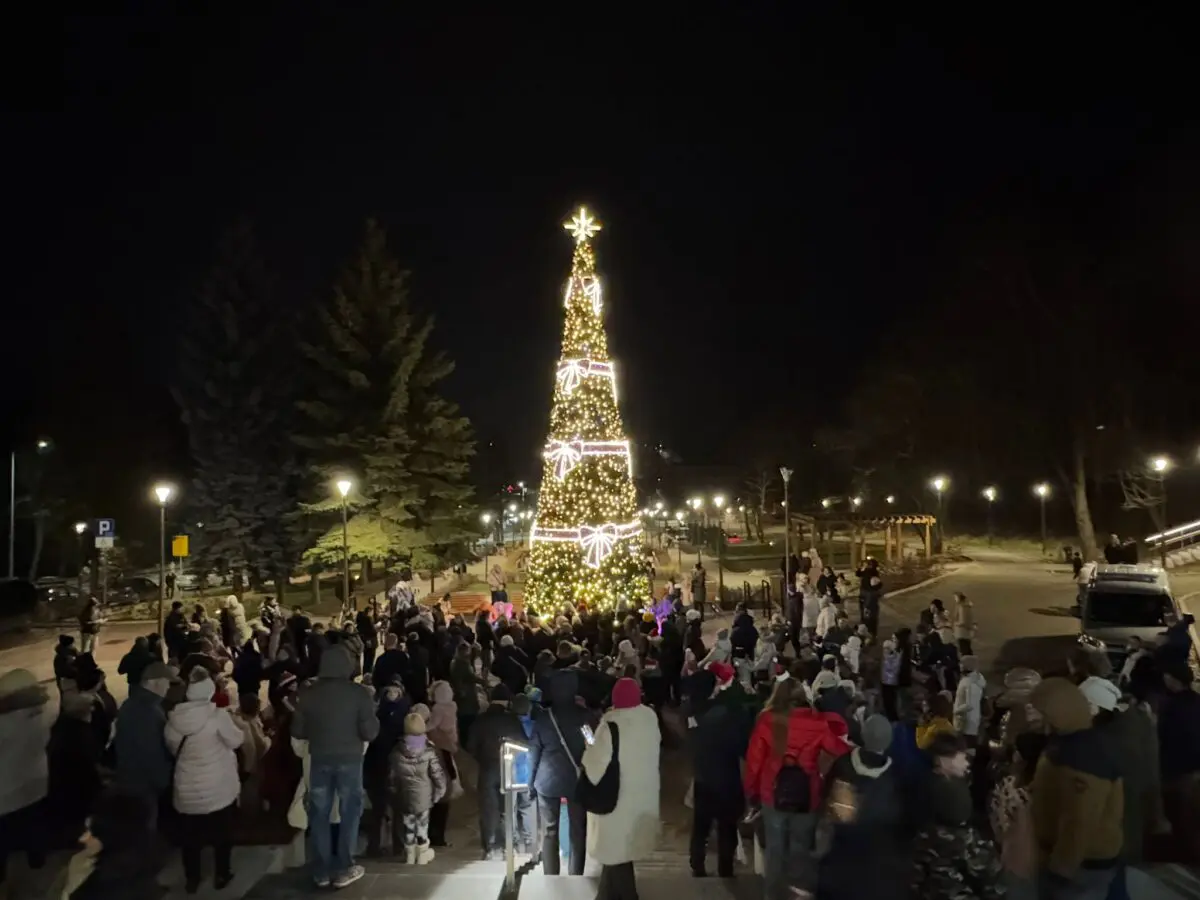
106,528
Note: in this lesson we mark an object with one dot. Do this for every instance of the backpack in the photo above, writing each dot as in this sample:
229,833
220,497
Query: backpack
793,788
601,798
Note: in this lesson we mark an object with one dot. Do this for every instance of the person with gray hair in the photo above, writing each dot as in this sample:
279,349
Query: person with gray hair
144,765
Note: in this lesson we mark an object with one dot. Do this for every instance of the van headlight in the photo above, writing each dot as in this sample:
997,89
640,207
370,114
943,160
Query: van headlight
1092,643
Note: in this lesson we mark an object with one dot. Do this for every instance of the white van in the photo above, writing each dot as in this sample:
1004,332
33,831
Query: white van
1122,602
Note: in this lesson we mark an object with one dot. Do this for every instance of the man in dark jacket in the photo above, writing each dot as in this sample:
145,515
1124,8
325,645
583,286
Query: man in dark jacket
556,747
392,665
494,726
337,718
744,635
365,624
144,765
717,742
175,628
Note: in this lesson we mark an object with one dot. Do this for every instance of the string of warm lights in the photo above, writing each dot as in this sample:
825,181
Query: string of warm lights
585,543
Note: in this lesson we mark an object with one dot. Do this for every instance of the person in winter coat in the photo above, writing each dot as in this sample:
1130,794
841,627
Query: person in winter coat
365,625
555,748
119,855
952,860
235,630
90,620
790,739
1078,797
392,710
442,731
968,700
511,665
1179,753
65,654
248,670
416,781
253,752
466,685
826,617
144,765
744,636
964,623
392,665
175,629
629,832
337,719
1011,818
852,652
865,816
24,733
937,720
716,745
73,758
497,724
135,660
204,741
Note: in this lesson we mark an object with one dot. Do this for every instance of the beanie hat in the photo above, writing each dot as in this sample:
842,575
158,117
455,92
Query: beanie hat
200,686
423,711
414,724
506,641
500,694
877,734
693,615
626,694
1101,693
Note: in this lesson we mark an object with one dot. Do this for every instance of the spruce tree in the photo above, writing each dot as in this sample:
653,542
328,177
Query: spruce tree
237,406
375,415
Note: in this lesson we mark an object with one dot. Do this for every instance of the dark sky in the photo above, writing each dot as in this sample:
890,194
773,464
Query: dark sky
768,183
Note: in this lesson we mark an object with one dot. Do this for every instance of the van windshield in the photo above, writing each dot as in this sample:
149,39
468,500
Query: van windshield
1133,610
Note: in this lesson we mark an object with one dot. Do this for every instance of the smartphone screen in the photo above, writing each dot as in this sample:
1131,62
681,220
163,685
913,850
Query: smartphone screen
587,733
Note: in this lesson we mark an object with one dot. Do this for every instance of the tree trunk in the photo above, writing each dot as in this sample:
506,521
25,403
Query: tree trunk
314,583
1079,502
39,541
746,520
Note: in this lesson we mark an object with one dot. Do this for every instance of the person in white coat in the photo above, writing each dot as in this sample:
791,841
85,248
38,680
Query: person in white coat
24,772
204,741
629,832
968,699
826,618
811,610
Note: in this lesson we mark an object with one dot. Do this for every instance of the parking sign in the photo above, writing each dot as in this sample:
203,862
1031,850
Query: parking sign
106,528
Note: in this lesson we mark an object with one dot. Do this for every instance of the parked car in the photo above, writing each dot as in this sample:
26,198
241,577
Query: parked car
62,593
135,589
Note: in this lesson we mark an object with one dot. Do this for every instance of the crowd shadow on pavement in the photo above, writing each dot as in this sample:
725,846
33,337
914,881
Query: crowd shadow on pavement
1045,653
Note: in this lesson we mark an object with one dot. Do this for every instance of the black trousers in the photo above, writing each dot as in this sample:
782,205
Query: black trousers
617,883
214,829
709,809
549,812
440,814
890,694
491,819
368,658
964,647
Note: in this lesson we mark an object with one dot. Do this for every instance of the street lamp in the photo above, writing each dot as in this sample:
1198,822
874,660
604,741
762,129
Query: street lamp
939,483
80,528
659,505
344,486
890,499
856,501
1162,465
990,494
1042,490
43,446
163,493
786,474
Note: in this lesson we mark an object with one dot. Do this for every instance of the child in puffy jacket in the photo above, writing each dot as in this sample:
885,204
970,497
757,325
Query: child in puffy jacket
416,781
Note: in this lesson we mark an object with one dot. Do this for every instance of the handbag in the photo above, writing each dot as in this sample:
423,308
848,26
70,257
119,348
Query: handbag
601,797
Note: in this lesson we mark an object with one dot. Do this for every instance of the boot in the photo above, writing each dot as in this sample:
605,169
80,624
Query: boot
424,854
410,854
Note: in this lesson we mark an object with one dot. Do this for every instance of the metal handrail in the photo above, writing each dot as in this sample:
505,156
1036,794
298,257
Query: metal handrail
1180,535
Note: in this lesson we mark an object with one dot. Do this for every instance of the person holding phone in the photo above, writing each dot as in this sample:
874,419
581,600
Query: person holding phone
557,744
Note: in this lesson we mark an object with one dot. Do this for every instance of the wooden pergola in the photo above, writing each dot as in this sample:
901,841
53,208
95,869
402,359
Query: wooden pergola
859,527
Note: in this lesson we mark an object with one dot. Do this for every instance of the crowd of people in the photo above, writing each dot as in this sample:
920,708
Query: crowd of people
815,746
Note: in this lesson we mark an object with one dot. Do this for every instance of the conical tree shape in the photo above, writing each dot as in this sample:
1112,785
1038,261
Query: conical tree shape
586,541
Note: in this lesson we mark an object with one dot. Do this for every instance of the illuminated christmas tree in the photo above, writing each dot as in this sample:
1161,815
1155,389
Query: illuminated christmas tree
586,540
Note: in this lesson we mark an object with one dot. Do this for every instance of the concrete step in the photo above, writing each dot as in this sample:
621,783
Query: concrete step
651,886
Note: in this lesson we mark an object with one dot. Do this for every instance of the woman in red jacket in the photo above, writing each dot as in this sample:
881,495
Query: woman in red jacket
783,775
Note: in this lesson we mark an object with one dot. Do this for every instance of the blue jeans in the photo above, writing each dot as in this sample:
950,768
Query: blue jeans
327,781
788,845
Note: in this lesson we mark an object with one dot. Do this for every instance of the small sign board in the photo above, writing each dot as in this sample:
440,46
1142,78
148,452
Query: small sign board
104,543
106,528
179,545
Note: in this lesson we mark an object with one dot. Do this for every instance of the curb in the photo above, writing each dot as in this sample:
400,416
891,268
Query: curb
928,581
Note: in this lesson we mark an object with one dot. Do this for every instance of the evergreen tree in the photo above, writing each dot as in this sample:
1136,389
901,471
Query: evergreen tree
237,406
375,415
586,540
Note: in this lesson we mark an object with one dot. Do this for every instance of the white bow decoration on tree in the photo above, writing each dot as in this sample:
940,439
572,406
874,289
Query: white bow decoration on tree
597,543
571,372
565,455
591,290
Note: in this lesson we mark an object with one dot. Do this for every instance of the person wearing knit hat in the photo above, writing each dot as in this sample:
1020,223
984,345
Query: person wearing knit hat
495,725
414,722
1101,694
416,782
628,734
1078,795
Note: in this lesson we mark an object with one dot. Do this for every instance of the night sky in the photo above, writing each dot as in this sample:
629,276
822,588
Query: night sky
776,191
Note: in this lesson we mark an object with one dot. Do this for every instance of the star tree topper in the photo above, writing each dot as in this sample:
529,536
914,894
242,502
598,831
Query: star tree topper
583,226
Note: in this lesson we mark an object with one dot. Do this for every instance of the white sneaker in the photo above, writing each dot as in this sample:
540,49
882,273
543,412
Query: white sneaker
425,854
410,854
348,877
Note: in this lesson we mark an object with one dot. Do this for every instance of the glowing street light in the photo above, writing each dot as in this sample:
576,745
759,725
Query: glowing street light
1161,465
990,494
163,493
659,505
826,503
696,502
890,499
1042,490
80,528
786,474
939,483
344,486
512,507
856,501
485,518
679,514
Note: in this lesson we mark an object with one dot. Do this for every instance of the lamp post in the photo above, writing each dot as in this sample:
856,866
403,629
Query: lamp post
786,474
1162,465
679,516
890,499
989,494
344,485
1042,489
80,528
719,503
939,484
163,493
43,446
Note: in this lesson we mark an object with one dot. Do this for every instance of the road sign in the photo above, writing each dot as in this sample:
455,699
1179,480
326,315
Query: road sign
104,543
179,545
106,528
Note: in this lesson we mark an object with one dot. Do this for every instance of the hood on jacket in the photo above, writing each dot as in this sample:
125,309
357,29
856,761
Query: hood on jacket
1062,705
191,716
976,678
336,663
868,764
563,688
